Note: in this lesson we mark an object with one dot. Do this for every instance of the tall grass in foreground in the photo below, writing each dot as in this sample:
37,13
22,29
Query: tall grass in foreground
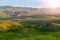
34,35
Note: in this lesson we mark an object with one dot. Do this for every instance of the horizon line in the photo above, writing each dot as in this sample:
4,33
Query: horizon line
30,6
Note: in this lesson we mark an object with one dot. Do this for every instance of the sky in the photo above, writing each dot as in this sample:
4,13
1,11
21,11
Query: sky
30,3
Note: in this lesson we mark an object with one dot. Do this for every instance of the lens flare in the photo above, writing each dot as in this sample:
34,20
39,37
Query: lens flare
53,3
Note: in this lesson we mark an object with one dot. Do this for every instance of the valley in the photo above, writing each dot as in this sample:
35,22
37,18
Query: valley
21,23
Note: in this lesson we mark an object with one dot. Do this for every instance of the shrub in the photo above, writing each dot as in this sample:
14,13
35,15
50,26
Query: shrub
48,27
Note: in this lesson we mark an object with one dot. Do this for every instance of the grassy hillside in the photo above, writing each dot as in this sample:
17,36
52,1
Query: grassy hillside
31,35
6,25
40,30
22,23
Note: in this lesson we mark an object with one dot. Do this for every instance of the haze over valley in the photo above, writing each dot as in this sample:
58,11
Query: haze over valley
9,11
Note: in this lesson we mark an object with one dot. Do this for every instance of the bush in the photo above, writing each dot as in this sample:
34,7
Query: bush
48,27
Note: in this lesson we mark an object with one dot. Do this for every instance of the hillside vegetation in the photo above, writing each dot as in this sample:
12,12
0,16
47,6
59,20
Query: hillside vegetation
22,23
44,25
45,30
9,25
30,29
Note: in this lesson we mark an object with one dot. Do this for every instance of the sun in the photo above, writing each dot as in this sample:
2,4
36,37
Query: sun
53,3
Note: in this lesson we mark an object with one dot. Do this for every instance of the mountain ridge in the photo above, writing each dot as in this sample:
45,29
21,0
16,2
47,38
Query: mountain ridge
8,11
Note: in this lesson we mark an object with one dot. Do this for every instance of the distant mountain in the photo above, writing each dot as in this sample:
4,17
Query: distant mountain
9,11
5,6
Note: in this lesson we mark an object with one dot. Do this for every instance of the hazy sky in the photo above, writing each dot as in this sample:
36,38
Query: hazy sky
30,3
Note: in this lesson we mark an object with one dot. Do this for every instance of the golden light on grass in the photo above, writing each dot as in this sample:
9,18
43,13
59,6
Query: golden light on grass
9,25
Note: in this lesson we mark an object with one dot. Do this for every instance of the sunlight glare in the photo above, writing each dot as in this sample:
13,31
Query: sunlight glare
53,3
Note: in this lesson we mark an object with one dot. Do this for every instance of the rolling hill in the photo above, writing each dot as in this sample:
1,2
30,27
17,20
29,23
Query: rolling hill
9,11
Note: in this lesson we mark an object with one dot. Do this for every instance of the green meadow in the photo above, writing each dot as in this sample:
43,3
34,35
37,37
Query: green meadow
31,29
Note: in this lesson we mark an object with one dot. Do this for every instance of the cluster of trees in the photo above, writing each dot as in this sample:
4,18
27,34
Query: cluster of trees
6,25
44,25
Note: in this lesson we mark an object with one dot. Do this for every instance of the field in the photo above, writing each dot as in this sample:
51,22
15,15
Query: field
32,35
30,29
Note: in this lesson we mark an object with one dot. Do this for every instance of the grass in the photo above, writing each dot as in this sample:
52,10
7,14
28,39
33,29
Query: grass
35,35
9,25
29,32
